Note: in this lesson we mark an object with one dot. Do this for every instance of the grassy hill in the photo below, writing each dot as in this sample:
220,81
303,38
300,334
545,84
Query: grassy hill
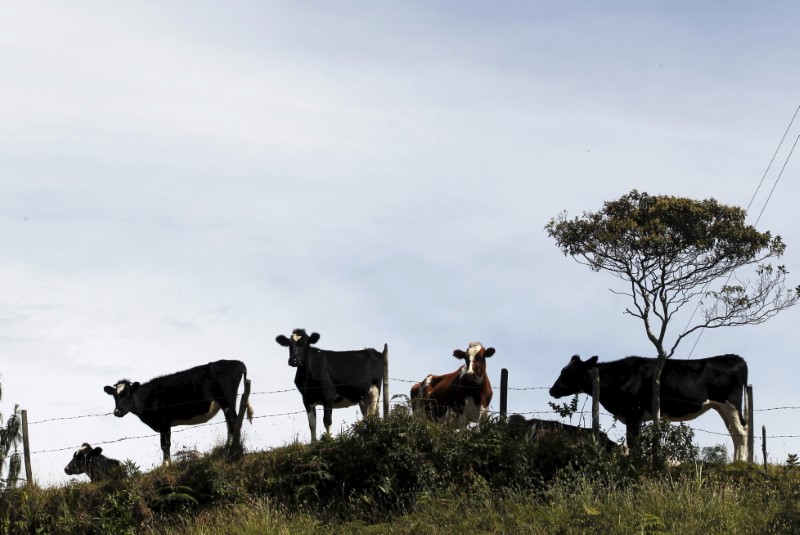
405,475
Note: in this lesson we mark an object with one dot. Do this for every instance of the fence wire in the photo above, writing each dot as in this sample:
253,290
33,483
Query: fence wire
582,414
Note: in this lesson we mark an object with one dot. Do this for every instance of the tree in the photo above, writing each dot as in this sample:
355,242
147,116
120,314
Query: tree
668,251
10,438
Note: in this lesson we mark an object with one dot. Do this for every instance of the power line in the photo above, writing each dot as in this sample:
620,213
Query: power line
769,166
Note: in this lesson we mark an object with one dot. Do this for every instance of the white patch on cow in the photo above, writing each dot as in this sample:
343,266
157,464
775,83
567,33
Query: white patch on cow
424,386
213,409
120,388
474,348
703,408
732,421
468,369
472,411
738,431
369,405
296,337
339,402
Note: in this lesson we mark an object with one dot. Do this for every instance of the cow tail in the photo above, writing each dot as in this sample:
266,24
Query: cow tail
249,408
385,367
746,409
249,413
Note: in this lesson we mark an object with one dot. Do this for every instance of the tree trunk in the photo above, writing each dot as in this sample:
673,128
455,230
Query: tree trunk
660,361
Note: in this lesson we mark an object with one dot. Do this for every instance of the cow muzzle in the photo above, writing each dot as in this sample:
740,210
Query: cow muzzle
119,413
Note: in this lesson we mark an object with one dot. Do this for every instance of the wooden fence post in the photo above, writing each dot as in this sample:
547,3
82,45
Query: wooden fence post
385,381
26,448
503,392
748,392
764,446
595,399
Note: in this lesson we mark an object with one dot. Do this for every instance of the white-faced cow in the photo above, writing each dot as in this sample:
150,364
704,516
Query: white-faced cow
464,393
334,379
688,389
188,397
90,461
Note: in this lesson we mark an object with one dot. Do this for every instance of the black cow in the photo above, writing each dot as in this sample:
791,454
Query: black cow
536,429
334,379
688,389
90,461
188,397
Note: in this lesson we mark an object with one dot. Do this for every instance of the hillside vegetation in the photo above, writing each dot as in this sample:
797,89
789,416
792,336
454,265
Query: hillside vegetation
406,475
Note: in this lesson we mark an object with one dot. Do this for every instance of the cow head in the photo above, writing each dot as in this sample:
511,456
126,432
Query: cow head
298,344
474,361
81,459
574,378
123,396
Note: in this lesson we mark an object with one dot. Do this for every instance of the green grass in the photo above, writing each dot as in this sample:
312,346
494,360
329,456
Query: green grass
407,476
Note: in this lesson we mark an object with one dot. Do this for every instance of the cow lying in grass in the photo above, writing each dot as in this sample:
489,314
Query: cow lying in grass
537,429
90,461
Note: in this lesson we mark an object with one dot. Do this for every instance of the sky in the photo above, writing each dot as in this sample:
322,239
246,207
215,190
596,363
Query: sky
182,183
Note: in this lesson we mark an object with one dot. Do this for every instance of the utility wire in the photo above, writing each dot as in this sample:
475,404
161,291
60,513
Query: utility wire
764,176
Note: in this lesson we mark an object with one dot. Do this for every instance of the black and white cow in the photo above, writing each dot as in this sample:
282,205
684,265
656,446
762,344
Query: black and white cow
334,379
535,429
688,389
90,461
188,397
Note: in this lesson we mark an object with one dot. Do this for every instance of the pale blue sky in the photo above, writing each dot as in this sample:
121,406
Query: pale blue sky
183,182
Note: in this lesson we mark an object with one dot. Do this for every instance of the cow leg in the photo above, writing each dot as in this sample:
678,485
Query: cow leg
311,413
327,418
230,422
165,443
471,412
369,405
731,416
632,428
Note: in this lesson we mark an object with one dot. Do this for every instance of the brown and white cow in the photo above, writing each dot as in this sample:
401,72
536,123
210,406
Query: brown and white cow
464,393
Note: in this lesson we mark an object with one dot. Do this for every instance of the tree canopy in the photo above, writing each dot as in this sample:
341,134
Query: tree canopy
669,250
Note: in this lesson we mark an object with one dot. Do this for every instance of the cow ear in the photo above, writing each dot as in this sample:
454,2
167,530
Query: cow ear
314,338
488,352
459,354
592,361
575,358
282,340
108,390
135,386
97,451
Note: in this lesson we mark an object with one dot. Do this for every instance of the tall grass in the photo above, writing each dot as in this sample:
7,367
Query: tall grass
406,475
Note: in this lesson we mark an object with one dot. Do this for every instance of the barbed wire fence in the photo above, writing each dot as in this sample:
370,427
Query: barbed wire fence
581,413
584,416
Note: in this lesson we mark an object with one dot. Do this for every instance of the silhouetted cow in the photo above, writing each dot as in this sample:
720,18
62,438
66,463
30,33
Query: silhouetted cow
188,397
334,379
465,393
90,461
535,429
688,389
